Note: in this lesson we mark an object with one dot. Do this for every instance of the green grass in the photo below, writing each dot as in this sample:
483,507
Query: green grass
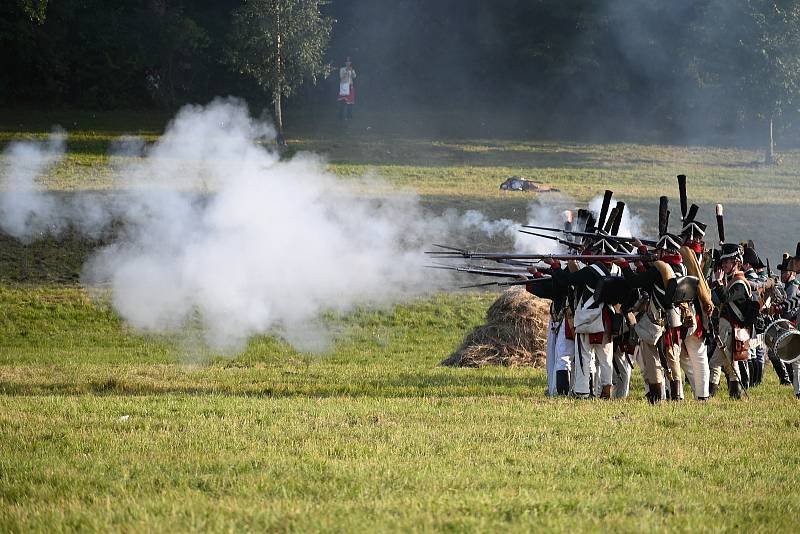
103,428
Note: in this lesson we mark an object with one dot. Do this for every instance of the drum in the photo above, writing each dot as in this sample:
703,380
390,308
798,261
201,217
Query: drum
783,339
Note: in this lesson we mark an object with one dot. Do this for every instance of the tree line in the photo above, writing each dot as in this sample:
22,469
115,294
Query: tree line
683,67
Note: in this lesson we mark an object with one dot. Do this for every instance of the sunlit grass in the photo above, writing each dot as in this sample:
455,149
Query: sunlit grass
104,428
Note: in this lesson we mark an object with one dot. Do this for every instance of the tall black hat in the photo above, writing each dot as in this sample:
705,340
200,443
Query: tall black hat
683,196
693,230
666,241
602,245
618,219
601,219
785,261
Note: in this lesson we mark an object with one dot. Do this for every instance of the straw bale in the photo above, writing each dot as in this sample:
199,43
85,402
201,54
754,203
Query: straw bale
515,334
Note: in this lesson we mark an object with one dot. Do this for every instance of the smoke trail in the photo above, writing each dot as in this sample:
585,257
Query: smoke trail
26,211
630,226
212,232
216,233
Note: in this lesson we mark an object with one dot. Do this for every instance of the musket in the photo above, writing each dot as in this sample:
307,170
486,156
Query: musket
453,252
506,283
484,272
569,244
517,263
648,242
727,361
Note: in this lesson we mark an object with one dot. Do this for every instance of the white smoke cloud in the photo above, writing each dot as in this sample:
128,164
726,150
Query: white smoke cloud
26,211
630,226
211,232
547,213
217,234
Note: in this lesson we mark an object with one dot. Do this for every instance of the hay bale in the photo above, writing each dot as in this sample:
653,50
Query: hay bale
515,334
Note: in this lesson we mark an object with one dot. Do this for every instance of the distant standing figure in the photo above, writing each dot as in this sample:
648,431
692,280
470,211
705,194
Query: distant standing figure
347,90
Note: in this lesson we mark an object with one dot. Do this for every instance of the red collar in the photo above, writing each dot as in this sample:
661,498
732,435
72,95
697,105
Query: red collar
672,259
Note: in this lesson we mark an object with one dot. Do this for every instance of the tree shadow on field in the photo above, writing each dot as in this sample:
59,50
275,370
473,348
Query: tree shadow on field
447,384
420,152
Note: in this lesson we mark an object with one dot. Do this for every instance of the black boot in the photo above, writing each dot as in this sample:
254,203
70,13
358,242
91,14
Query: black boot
712,389
735,390
653,394
759,368
675,387
744,374
751,372
562,382
781,371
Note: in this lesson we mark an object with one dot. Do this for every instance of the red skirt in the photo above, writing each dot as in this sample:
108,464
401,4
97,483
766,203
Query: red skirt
349,98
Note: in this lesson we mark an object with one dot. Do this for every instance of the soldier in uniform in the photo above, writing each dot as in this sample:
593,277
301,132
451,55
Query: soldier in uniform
659,328
594,348
755,273
559,339
735,295
791,306
593,337
694,349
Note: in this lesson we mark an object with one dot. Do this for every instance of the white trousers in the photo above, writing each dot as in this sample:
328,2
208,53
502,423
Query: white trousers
715,363
591,356
560,352
622,374
694,362
796,377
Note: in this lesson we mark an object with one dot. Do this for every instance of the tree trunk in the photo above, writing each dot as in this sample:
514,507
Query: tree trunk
769,156
276,98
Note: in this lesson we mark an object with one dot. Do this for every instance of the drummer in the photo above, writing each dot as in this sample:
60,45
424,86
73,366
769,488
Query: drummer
790,284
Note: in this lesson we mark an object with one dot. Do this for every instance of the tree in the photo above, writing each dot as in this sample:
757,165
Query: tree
280,44
754,53
36,10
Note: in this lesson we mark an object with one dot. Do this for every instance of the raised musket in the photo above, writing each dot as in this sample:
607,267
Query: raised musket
484,272
568,244
648,242
453,252
504,283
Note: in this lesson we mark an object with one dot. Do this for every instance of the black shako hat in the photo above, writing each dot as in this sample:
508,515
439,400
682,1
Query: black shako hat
750,256
730,250
785,261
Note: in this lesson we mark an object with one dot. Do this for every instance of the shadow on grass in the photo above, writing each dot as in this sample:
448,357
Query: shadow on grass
413,385
360,150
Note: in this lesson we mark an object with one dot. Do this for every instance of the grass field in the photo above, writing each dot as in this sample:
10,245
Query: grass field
102,428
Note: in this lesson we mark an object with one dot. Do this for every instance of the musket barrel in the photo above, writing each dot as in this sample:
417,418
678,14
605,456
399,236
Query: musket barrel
559,257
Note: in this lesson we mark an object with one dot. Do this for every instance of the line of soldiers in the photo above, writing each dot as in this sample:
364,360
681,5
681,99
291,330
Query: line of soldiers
678,311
